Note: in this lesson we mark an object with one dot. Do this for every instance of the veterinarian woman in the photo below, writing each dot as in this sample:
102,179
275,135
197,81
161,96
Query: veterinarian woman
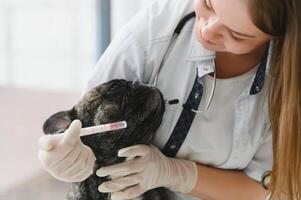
229,136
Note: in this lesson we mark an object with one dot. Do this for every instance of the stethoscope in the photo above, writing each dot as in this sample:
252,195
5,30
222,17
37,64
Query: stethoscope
175,35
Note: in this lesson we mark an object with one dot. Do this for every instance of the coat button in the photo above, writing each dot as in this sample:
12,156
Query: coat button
206,68
196,96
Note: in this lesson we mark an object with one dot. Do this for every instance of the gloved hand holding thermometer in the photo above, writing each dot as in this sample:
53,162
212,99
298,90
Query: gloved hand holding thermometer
64,155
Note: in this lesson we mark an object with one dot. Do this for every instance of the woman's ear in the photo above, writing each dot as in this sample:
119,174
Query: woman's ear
59,122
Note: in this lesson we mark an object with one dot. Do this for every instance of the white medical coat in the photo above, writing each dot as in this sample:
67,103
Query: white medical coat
137,51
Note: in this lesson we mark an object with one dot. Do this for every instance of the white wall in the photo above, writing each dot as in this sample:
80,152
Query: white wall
51,44
47,44
122,11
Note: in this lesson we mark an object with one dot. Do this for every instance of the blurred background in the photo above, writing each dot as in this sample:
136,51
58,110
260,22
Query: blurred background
47,51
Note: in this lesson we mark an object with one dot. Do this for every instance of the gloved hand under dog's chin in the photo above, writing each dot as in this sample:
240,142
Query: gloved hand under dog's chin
148,170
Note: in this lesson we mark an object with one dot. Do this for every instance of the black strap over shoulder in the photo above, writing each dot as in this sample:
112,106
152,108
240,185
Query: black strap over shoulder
185,120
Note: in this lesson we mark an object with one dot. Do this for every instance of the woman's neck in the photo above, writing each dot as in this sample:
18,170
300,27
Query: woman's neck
230,65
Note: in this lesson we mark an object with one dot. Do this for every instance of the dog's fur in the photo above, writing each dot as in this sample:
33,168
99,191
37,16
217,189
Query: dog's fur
141,106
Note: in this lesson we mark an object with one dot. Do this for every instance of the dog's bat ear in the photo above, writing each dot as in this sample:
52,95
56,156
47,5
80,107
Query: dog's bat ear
59,122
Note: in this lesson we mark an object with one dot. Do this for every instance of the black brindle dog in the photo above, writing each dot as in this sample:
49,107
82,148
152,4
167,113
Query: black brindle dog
141,106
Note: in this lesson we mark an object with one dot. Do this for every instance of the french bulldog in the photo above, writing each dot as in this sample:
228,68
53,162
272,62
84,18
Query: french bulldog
141,106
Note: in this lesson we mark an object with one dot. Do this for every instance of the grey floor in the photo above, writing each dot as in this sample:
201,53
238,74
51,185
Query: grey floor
22,113
42,187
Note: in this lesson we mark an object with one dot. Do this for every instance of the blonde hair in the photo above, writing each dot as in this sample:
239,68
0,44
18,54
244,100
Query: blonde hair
282,19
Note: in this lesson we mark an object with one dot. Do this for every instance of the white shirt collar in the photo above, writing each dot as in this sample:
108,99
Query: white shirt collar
204,61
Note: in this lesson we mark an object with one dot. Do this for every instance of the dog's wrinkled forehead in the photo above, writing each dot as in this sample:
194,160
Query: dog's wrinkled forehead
116,100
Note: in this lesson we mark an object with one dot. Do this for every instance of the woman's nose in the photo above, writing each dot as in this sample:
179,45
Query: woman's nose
211,29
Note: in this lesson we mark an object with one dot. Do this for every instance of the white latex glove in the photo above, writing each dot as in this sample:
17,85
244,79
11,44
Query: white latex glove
64,155
149,169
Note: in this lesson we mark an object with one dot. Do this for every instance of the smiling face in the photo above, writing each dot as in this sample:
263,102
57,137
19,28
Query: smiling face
226,25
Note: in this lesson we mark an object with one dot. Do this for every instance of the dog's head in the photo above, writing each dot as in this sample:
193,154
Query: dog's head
141,106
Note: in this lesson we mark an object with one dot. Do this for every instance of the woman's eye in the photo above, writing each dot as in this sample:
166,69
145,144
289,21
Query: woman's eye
237,39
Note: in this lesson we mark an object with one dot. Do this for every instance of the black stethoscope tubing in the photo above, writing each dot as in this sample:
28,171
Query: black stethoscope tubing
176,32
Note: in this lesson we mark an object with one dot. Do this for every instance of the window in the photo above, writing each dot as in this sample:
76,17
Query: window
47,44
